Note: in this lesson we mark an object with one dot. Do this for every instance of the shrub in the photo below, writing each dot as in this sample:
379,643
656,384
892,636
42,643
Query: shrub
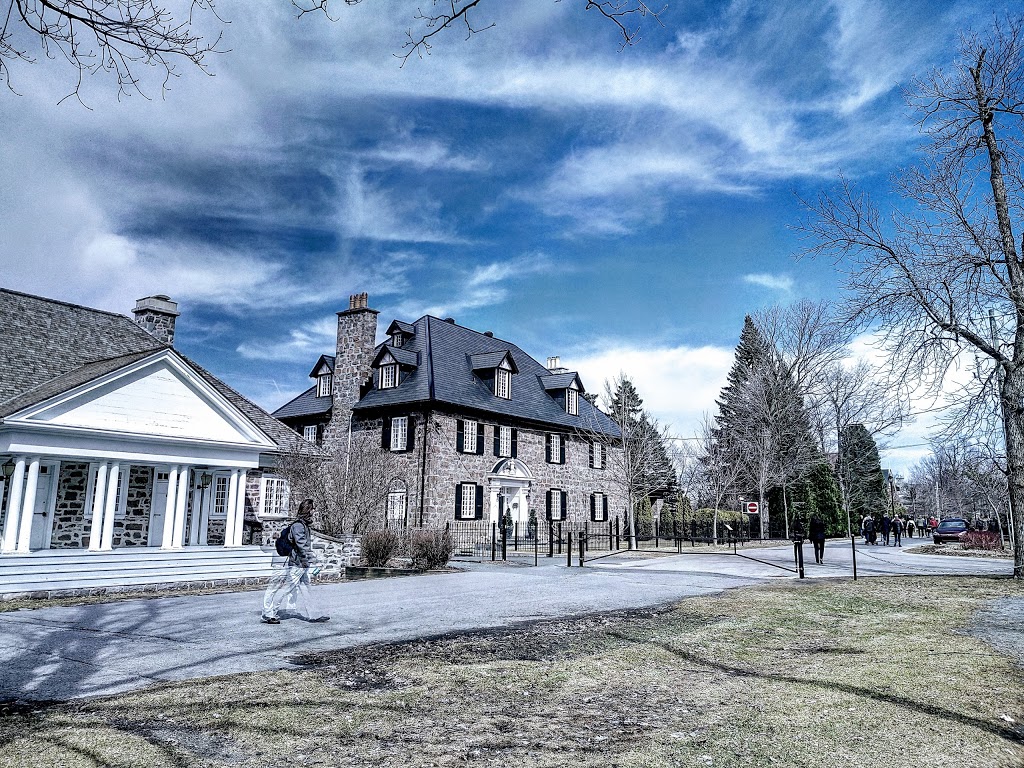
981,540
379,547
430,549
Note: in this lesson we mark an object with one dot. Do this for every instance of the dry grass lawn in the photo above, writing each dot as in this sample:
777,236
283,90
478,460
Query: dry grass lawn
876,673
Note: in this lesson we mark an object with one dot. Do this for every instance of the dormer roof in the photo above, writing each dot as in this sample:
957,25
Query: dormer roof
558,381
325,364
487,361
406,358
397,326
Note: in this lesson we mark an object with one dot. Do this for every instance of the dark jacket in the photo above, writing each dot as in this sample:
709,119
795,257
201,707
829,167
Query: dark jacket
302,544
816,529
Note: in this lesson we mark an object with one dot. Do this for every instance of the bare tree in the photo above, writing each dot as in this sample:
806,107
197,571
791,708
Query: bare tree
928,276
349,483
807,340
707,467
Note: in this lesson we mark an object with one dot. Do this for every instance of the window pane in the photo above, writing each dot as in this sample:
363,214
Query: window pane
399,433
505,441
309,433
220,497
469,437
468,500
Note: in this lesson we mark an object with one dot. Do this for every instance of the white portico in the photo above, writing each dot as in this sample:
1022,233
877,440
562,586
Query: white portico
509,485
149,426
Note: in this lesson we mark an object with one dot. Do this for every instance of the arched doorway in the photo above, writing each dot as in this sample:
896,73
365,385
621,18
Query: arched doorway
509,487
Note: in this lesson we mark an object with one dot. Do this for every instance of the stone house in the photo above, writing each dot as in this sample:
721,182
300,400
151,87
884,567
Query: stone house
477,428
111,439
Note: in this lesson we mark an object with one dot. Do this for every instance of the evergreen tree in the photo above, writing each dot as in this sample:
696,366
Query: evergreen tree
626,403
862,472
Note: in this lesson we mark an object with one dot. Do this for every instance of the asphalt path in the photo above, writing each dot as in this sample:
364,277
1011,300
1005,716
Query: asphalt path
73,652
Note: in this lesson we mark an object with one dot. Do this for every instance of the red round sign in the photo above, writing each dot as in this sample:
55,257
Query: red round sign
751,507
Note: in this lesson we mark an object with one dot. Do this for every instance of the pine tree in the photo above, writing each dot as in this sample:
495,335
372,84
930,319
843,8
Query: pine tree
862,471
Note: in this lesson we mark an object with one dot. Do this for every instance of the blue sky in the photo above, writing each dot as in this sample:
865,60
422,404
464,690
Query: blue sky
621,208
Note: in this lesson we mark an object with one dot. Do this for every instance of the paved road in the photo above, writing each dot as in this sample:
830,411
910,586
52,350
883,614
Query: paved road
64,653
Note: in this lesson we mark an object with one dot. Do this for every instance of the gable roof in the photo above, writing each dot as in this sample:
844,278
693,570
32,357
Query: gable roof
487,361
560,381
327,360
397,326
402,356
446,376
48,347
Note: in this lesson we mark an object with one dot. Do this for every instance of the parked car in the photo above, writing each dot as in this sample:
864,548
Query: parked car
950,530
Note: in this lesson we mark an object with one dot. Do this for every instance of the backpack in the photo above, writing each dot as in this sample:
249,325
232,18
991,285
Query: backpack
283,545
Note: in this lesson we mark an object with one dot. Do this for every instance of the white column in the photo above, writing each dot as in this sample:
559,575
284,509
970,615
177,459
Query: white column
28,505
197,511
204,519
110,506
172,489
239,519
99,494
229,523
180,509
13,518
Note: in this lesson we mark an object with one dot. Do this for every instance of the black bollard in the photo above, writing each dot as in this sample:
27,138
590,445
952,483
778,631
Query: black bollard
568,551
494,542
583,546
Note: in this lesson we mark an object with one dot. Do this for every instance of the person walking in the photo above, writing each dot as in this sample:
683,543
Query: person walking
869,529
290,586
910,527
816,533
886,525
897,531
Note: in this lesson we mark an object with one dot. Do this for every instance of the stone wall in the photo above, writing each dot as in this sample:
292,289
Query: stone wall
133,529
334,553
70,530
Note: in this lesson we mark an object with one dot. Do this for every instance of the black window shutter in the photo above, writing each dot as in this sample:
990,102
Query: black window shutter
385,434
497,440
547,447
410,433
561,450
479,438
592,446
604,511
458,500
549,505
460,436
515,442
565,505
593,508
479,502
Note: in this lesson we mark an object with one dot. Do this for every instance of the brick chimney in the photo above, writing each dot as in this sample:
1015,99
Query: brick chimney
157,315
357,337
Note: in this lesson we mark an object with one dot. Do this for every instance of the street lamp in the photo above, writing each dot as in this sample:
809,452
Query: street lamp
7,469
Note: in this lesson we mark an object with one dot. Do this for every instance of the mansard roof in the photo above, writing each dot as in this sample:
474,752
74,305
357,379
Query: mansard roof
445,377
49,347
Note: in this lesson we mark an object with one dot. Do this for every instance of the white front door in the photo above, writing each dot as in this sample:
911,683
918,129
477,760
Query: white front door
42,510
157,510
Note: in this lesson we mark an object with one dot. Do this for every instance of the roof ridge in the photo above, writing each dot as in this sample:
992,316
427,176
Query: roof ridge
69,304
428,347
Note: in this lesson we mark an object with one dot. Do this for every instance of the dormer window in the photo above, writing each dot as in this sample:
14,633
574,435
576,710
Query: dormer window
572,401
389,376
324,384
397,339
503,381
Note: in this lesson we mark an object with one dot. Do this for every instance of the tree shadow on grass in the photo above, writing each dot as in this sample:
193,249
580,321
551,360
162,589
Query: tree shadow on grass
1010,734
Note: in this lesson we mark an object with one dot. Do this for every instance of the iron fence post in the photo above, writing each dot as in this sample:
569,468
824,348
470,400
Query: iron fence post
583,546
504,541
559,537
551,539
494,542
535,537
618,543
568,549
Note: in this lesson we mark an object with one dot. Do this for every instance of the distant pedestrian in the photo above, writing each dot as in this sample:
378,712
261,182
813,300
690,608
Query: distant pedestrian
886,526
290,587
816,533
897,531
869,529
910,527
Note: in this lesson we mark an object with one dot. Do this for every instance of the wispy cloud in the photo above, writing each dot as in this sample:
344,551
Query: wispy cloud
782,283
303,344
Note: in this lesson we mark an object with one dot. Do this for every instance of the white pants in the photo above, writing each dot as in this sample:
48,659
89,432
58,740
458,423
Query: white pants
289,590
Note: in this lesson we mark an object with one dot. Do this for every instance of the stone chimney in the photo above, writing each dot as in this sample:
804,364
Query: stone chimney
554,365
357,337
157,315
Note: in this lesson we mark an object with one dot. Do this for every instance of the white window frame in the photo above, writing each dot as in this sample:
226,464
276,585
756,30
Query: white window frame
399,433
274,492
398,502
503,383
468,509
572,401
599,506
598,455
505,441
219,502
389,376
556,448
557,513
309,433
469,431
397,339
324,385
